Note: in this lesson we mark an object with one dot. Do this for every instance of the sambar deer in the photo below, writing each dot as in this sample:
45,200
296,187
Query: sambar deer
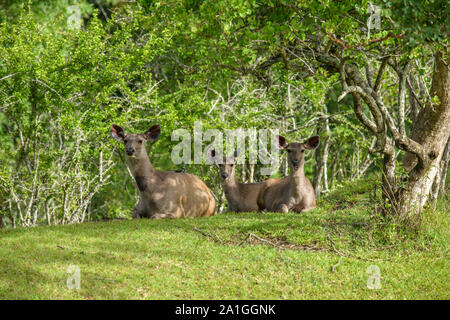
294,192
162,194
241,197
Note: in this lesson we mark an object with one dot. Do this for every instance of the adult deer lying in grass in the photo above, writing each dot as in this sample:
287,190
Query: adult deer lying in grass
162,194
241,196
294,192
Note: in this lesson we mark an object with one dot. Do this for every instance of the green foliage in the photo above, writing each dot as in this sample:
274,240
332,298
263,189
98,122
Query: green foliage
61,95
422,21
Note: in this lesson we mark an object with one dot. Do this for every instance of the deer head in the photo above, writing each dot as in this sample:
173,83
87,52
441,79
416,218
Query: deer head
226,166
135,142
296,150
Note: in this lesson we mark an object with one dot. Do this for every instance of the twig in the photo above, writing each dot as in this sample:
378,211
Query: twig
359,45
333,267
411,90
264,240
243,240
9,76
336,250
214,235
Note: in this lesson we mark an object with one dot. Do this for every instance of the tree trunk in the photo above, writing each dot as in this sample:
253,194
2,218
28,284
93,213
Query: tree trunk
432,131
322,157
244,173
444,169
412,99
318,172
251,175
388,181
334,163
333,172
439,180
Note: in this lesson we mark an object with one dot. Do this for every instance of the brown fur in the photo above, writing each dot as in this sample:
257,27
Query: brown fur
294,192
163,194
241,196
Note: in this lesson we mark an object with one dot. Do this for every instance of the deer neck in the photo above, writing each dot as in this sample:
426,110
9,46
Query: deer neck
231,186
297,179
142,167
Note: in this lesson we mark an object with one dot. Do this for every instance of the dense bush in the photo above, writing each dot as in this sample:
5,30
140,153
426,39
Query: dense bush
228,64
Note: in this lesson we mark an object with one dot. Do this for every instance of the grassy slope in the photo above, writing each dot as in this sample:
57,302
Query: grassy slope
221,257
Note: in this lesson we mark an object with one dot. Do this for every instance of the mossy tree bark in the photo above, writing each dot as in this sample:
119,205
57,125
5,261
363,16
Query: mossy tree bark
431,131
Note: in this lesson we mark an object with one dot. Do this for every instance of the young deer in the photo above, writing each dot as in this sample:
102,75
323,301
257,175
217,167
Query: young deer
162,194
241,196
294,192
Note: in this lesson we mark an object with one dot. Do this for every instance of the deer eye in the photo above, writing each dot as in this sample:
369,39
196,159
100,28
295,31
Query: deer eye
140,141
126,140
303,151
231,165
288,150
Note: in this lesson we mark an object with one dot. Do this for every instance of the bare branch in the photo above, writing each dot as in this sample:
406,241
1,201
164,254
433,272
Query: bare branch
401,98
380,75
360,114
369,75
368,43
402,141
9,76
412,92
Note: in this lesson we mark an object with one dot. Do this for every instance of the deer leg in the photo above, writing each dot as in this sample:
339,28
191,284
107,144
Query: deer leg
307,209
283,208
138,212
161,215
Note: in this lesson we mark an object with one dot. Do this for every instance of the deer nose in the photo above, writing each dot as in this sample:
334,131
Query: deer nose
295,162
224,175
130,151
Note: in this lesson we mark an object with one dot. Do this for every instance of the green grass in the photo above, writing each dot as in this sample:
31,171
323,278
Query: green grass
235,256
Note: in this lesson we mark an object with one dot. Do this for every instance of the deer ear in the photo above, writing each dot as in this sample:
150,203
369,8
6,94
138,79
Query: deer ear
236,152
312,143
212,156
153,133
281,142
117,133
